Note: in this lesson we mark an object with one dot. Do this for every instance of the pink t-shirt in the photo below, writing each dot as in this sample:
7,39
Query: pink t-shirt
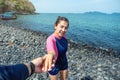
51,45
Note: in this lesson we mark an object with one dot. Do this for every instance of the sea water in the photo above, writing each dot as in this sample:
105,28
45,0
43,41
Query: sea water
99,30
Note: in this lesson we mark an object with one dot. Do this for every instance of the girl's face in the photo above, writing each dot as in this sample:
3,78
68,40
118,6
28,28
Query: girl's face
61,28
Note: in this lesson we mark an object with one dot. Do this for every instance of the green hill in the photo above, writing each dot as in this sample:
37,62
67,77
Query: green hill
20,6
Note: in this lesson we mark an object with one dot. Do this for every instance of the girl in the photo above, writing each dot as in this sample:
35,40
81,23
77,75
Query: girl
56,45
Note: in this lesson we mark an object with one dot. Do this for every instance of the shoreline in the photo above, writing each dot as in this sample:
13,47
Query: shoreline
74,43
111,50
19,45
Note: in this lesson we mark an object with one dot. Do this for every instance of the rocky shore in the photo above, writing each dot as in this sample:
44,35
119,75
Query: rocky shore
19,45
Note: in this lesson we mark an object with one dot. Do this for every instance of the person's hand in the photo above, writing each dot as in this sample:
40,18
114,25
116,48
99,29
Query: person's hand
49,62
40,62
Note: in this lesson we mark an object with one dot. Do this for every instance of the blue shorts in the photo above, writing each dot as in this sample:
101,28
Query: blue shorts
57,68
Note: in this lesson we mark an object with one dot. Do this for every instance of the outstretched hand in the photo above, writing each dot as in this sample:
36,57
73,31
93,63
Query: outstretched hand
43,64
49,62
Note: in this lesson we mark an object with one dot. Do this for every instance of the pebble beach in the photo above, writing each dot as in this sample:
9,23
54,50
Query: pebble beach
18,45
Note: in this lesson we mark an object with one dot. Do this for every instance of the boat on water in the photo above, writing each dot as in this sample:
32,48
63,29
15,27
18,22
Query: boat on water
8,16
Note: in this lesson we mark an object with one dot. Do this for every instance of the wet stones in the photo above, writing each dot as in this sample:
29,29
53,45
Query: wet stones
21,45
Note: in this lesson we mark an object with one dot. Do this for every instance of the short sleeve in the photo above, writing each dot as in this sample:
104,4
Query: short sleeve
51,45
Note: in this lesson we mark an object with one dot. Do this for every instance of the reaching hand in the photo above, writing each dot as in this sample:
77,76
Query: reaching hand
49,62
43,64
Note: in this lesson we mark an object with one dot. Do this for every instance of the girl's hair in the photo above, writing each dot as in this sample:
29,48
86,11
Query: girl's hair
61,19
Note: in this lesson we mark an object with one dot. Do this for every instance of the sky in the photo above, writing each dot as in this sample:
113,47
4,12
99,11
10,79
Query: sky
76,6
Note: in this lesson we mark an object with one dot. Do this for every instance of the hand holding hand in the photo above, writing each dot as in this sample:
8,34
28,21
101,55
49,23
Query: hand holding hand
38,62
49,62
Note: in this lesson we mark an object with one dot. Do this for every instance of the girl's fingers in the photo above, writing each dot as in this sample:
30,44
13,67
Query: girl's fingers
48,62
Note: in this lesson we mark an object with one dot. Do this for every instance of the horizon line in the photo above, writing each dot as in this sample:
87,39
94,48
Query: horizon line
81,12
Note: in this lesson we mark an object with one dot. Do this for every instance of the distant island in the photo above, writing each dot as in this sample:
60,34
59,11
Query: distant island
99,13
19,6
